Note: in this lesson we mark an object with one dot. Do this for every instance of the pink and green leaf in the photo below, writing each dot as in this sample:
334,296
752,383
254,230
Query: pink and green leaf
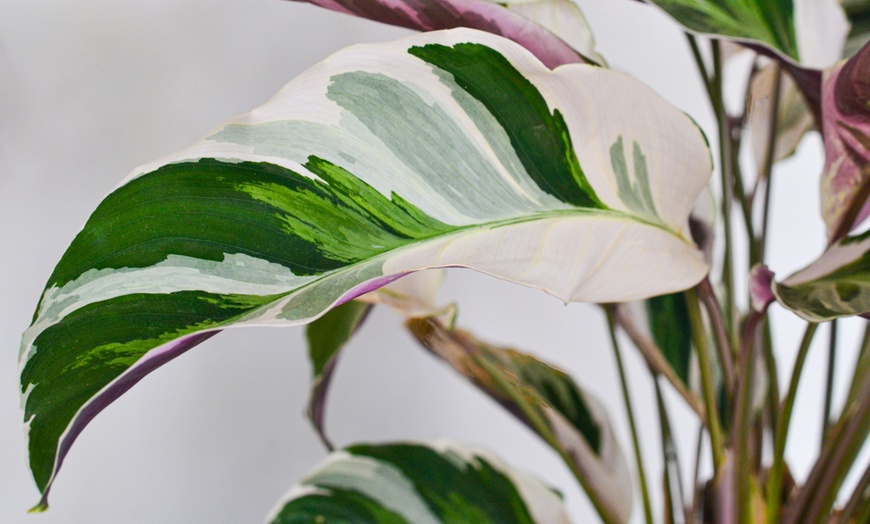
483,15
836,285
846,127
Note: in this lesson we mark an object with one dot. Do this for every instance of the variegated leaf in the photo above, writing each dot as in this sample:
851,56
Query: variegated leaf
846,129
564,18
573,422
806,32
418,483
455,148
484,15
835,285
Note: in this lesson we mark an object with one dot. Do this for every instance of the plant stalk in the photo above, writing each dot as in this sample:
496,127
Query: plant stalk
774,479
656,362
829,380
741,427
699,339
673,479
626,397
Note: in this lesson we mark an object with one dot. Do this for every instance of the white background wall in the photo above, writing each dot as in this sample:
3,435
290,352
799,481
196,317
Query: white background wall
90,89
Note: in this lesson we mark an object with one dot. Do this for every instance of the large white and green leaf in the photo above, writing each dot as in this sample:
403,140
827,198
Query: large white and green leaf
835,285
519,25
570,420
418,483
455,148
845,187
810,33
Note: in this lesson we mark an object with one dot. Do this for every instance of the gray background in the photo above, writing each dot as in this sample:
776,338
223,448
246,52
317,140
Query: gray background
90,89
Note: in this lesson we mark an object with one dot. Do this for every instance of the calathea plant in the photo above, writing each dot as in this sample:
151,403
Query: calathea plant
497,140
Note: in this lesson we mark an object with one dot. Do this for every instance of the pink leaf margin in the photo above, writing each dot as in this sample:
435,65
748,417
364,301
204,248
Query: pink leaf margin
432,15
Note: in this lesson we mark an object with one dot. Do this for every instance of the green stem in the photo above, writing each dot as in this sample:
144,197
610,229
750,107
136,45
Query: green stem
860,497
766,170
774,479
702,67
740,428
829,379
771,370
626,397
697,491
767,167
727,182
675,498
699,339
720,334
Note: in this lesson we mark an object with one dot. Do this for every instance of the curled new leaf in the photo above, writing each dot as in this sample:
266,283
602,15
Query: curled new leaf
455,148
846,129
550,403
418,483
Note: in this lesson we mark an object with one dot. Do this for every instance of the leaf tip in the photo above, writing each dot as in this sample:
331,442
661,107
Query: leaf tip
41,507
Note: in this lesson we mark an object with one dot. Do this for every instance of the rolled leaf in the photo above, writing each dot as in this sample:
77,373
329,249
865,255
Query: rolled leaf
455,148
835,285
574,423
810,33
846,129
484,15
418,483
326,337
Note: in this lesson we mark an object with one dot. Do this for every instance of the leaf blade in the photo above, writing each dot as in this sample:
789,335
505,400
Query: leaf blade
312,200
430,482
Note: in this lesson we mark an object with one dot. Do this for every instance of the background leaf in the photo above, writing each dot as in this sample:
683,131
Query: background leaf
806,32
418,483
668,317
550,403
793,118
